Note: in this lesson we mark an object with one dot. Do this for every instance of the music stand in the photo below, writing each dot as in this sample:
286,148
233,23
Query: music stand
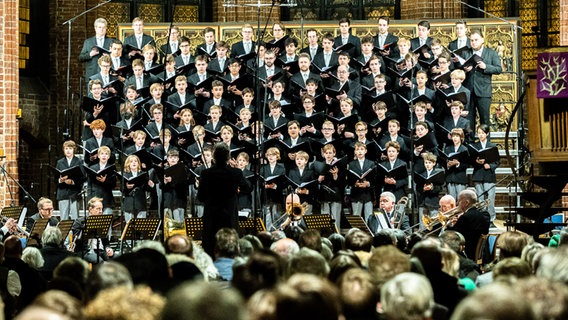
96,227
65,227
357,222
251,226
140,229
16,213
194,228
38,227
321,222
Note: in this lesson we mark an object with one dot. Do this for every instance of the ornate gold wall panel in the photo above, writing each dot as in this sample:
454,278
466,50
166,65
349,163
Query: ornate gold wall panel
118,13
185,14
151,13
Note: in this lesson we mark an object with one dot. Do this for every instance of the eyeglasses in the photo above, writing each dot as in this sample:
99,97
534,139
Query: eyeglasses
47,209
342,72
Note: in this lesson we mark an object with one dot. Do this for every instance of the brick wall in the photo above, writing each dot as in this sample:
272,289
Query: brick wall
430,9
9,39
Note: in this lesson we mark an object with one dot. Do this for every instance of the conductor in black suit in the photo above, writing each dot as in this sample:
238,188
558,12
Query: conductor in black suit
218,187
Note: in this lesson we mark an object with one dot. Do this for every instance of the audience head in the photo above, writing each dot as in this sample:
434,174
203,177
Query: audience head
179,244
105,276
227,243
386,262
494,301
286,248
308,261
512,243
203,300
358,240
121,302
407,296
359,294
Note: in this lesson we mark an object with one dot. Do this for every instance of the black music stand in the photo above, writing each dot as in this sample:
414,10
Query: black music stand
321,222
140,229
96,227
16,213
65,227
251,226
38,228
194,228
353,221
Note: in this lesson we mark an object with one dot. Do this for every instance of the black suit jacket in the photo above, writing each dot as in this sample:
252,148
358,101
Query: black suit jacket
218,191
146,39
456,174
389,39
102,189
307,50
65,191
214,66
166,49
134,199
479,81
472,225
92,144
306,176
91,63
99,77
319,59
204,47
453,45
480,174
147,81
273,195
353,52
361,194
238,48
415,43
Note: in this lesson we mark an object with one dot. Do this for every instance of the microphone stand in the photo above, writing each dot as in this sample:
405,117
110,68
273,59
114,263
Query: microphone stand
7,175
69,23
259,38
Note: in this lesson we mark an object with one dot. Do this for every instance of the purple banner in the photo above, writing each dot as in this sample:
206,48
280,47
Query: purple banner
552,75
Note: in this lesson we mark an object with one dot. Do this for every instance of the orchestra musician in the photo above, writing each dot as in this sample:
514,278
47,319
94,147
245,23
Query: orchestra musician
471,223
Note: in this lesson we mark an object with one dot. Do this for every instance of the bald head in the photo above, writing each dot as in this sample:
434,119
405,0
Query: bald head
447,203
292,198
285,248
466,199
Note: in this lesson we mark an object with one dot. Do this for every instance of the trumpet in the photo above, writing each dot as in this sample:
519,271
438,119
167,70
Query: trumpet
19,230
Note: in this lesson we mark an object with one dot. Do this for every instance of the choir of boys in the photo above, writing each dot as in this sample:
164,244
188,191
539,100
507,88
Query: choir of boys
337,124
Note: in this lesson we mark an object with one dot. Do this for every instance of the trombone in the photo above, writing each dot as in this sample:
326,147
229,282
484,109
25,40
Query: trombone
444,218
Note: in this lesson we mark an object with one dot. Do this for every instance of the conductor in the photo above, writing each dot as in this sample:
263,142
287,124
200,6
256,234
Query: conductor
218,188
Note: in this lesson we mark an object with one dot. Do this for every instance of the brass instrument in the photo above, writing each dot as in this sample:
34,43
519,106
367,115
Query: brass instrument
173,226
399,210
294,213
19,230
443,218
